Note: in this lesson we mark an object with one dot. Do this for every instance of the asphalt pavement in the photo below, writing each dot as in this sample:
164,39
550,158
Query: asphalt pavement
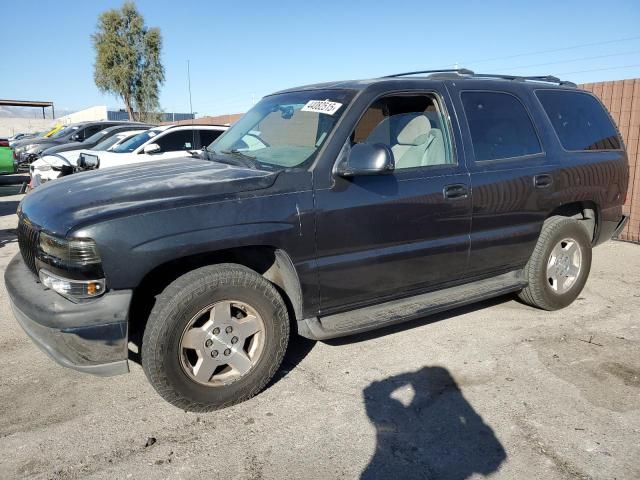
496,389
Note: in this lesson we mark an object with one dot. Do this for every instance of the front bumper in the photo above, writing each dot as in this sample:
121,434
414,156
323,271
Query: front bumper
90,337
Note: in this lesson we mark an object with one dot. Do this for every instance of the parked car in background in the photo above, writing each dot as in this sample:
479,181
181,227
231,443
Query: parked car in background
336,208
23,136
52,166
53,130
159,143
26,151
7,164
96,138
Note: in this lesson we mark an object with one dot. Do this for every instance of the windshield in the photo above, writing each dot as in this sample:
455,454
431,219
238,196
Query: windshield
134,142
96,137
286,130
63,132
107,143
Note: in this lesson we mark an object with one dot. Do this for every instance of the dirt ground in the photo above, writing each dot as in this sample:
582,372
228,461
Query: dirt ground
497,389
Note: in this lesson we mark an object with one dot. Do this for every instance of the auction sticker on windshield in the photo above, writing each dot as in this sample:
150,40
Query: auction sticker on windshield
321,106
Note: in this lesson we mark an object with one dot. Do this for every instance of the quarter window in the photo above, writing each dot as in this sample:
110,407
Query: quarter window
500,126
579,120
412,126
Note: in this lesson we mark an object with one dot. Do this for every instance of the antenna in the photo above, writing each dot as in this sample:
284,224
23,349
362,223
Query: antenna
193,132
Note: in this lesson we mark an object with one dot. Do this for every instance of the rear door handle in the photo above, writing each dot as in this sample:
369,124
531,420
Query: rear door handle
455,191
543,180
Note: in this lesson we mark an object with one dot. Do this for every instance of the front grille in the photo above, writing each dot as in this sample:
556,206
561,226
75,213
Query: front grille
28,242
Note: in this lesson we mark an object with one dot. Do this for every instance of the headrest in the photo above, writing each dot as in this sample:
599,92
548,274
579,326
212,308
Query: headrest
412,128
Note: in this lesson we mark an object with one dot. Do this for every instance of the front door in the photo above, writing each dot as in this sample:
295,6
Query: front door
390,235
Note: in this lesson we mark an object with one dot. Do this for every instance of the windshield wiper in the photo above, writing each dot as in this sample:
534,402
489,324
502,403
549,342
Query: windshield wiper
242,159
235,151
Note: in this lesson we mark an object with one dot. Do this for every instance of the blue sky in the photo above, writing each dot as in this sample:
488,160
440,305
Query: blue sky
240,51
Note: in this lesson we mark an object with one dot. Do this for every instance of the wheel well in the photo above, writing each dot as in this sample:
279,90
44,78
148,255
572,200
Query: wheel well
586,212
272,263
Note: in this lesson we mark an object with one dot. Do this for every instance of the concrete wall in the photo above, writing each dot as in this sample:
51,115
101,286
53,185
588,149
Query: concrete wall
11,125
87,115
622,98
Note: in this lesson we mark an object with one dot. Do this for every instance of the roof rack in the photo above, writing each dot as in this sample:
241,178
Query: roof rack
471,73
460,71
535,78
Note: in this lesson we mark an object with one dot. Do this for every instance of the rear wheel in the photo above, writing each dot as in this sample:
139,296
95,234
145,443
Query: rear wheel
215,337
559,266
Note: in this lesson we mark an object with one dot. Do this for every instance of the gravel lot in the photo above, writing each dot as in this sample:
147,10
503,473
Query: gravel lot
496,389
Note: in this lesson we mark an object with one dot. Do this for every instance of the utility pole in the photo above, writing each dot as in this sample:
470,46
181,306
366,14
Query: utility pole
189,83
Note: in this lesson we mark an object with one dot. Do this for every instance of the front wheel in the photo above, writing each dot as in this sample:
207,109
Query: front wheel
215,337
559,266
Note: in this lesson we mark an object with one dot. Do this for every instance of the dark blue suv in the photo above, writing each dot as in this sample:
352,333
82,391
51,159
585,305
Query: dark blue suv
325,210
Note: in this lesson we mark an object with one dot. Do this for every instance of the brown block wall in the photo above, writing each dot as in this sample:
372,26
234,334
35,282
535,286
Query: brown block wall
622,98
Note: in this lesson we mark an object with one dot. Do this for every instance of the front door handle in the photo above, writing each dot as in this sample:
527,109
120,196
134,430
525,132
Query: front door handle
543,180
455,191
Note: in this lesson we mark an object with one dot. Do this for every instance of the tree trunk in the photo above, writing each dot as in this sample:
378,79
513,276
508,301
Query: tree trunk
130,111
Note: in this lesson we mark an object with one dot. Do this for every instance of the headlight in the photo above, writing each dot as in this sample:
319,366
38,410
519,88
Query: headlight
32,148
73,252
43,168
72,289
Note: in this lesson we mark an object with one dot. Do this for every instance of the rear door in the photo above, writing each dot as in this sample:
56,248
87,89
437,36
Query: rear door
390,235
511,174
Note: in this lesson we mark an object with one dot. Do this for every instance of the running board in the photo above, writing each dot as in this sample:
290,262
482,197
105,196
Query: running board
398,311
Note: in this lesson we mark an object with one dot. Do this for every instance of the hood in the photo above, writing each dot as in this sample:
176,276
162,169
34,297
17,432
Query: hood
44,142
65,147
90,197
68,158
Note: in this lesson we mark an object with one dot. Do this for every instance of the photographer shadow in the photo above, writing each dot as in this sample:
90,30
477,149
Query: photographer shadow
426,429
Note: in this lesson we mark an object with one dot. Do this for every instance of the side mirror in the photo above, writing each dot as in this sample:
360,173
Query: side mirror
76,137
151,148
367,159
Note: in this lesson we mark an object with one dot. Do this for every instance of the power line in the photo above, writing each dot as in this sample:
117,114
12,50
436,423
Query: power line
593,44
570,60
601,69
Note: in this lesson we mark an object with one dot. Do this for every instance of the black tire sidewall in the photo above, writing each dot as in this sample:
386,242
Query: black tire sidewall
185,304
569,229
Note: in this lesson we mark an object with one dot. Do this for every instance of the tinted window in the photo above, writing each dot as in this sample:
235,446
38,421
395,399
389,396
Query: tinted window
176,141
412,126
208,136
579,120
89,131
500,126
99,136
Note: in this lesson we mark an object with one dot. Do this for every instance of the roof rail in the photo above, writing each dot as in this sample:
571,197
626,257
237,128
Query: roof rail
461,71
466,71
535,78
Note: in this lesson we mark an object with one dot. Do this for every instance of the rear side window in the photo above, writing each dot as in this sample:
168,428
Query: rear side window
500,126
579,120
176,141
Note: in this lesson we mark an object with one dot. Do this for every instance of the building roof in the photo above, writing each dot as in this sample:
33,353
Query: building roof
25,103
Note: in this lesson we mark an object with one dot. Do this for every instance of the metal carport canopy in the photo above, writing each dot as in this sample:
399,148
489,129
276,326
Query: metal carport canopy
29,103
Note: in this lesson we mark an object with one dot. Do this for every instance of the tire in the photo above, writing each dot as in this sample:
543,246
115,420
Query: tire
545,288
172,369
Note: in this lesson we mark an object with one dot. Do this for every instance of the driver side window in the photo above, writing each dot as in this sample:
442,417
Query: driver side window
412,126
